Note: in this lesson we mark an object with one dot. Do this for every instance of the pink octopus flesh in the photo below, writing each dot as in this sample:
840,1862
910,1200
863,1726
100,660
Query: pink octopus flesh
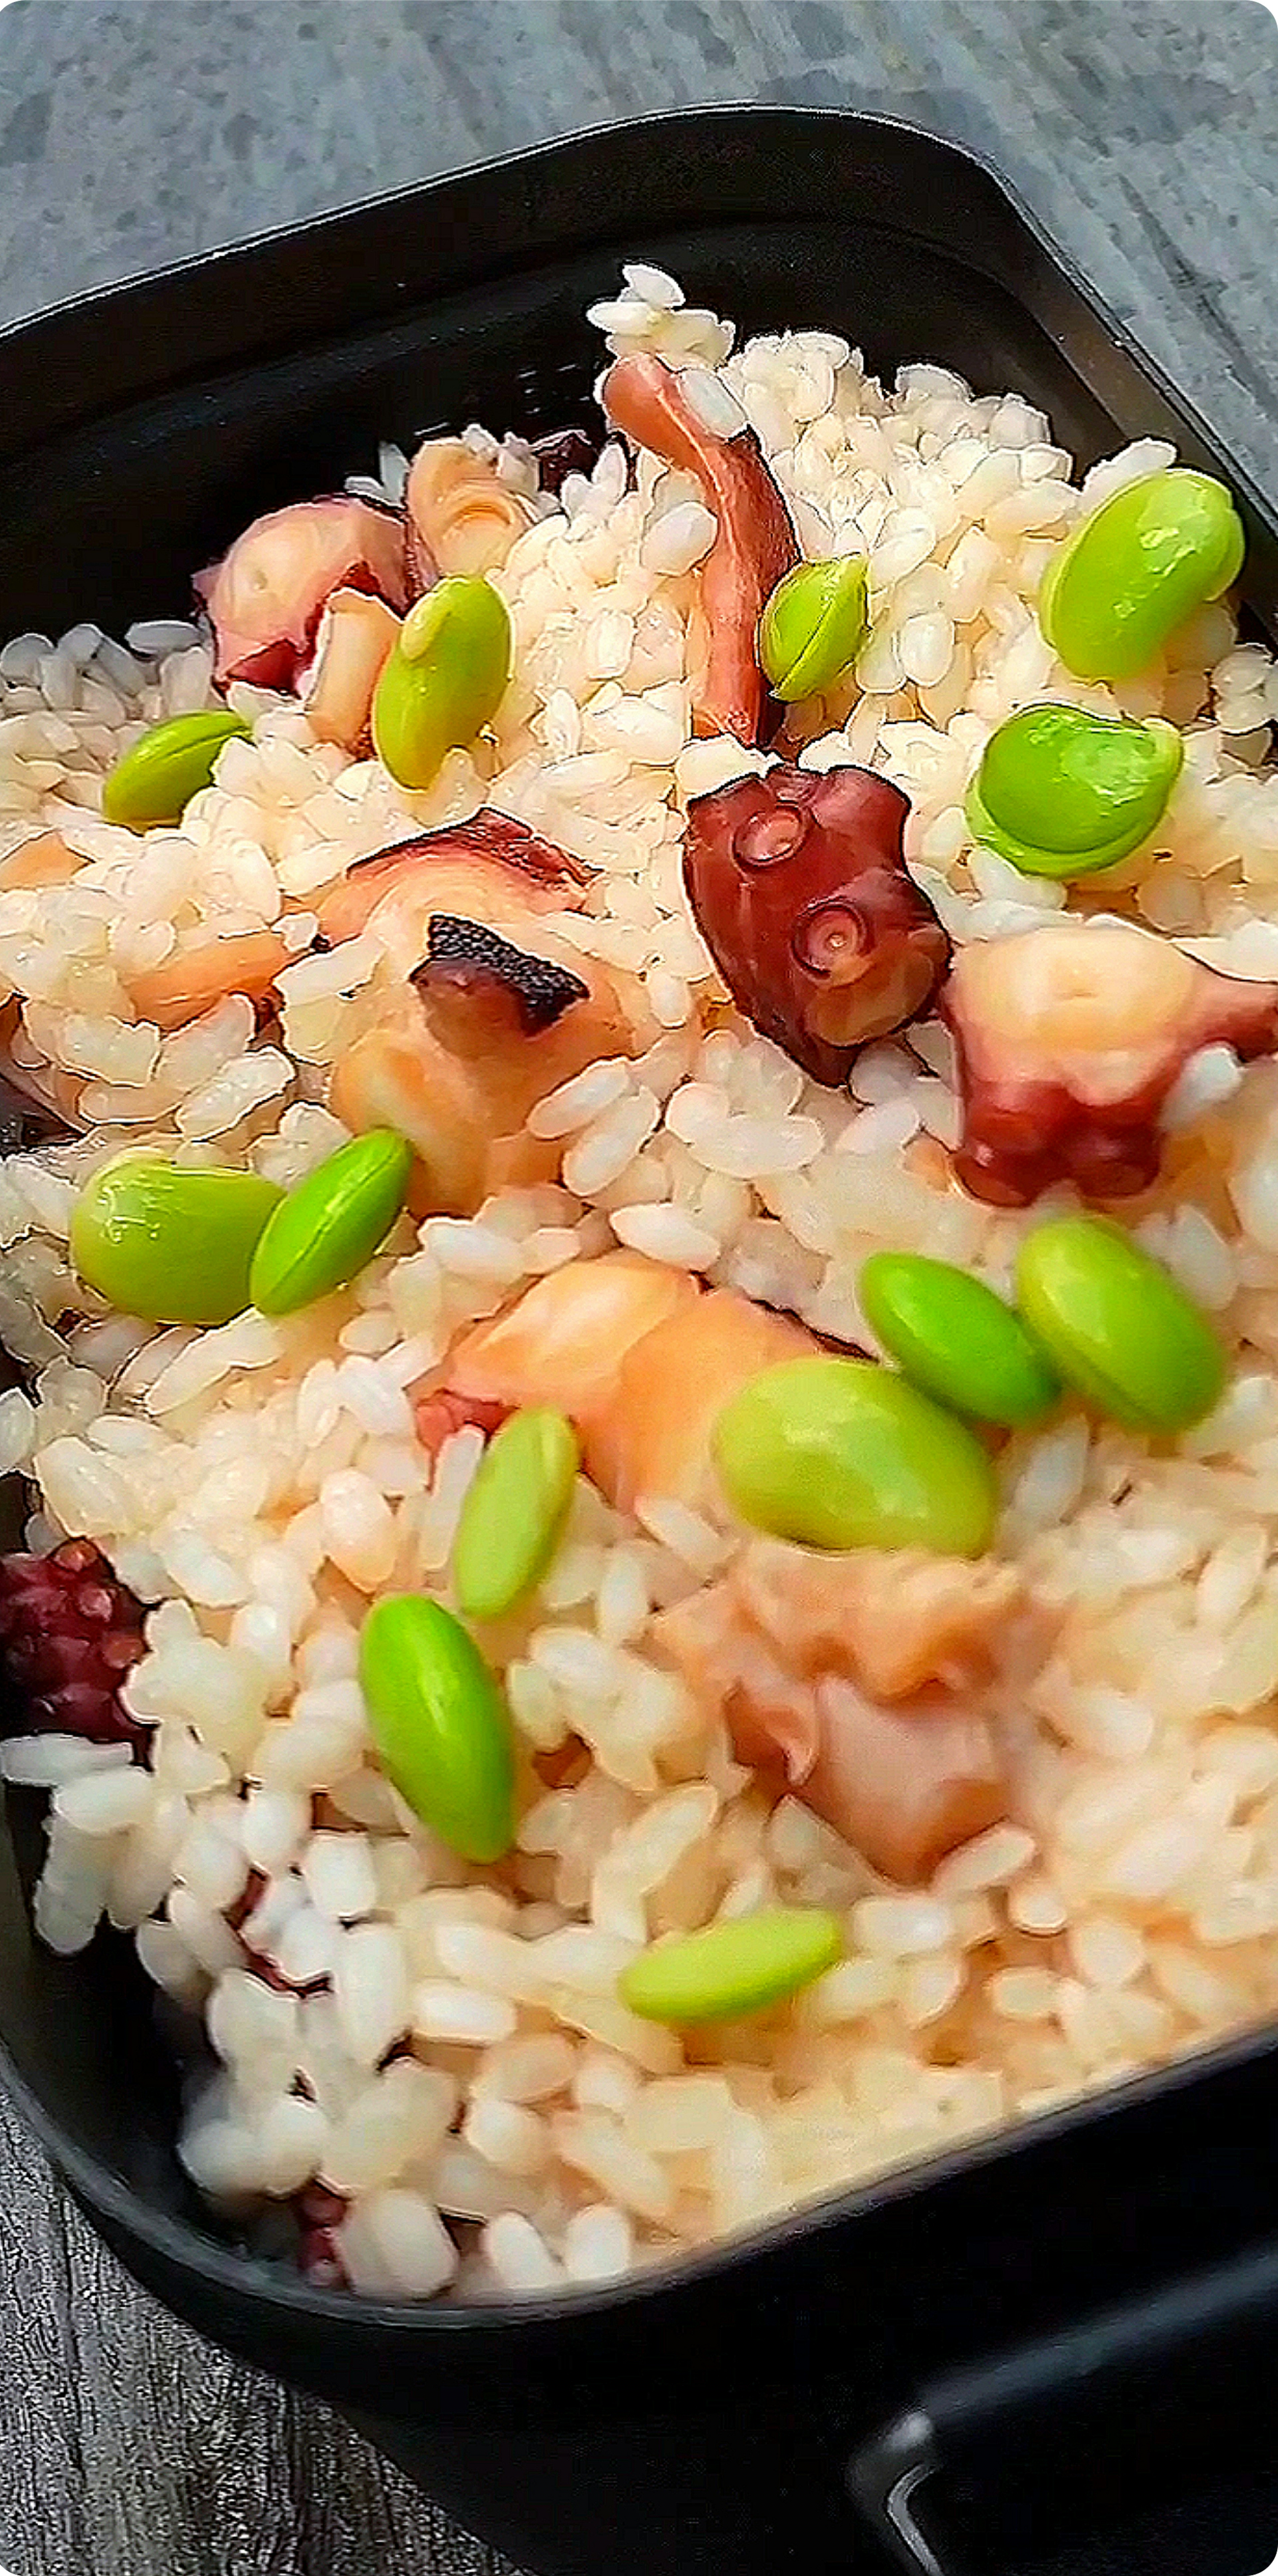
267,595
754,546
1069,1040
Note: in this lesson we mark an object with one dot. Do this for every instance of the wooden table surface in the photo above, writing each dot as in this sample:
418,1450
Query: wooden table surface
132,132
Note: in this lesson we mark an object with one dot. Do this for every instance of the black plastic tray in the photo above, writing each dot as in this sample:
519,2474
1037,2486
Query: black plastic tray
705,2419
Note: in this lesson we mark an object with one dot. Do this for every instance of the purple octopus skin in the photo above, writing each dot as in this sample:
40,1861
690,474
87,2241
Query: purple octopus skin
802,895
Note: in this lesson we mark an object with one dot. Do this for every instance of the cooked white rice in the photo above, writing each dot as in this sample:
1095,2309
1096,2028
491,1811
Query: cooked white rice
262,1481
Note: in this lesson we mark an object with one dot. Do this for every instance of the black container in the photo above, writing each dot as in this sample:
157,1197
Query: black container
728,2415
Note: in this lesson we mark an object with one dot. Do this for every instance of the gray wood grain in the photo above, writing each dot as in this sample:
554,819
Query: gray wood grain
132,132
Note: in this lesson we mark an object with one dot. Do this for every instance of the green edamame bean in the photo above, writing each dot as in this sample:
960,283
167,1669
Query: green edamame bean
1061,793
839,1454
155,781
1136,569
445,678
1117,1326
440,1724
514,1512
173,1246
733,1968
953,1337
330,1226
813,626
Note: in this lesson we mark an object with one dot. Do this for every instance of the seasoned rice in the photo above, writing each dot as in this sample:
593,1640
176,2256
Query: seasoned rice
261,1481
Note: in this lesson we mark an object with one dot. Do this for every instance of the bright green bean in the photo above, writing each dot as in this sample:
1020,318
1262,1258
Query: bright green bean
742,1966
330,1226
1136,569
839,1454
1117,1327
445,678
814,626
440,1724
154,781
1063,794
953,1337
514,1512
170,1245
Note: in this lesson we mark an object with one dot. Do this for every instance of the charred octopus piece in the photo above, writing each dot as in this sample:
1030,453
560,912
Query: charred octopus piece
801,892
755,543
478,1032
1070,1039
267,595
477,961
483,1009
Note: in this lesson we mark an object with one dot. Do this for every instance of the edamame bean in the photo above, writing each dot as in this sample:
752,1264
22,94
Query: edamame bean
446,677
330,1226
839,1454
155,780
173,1246
813,626
514,1512
733,1968
953,1337
1063,794
440,1724
1117,1326
1136,569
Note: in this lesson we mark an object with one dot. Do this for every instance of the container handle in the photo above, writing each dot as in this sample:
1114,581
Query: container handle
1181,2372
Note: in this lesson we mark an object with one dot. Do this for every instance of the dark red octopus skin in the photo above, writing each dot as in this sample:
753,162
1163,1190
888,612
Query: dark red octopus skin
562,452
1038,1111
754,547
802,895
69,1633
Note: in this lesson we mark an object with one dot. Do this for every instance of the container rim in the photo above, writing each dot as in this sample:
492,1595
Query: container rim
254,252
176,2241
275,2290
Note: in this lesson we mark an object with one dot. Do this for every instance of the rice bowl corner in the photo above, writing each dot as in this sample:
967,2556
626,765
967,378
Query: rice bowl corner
426,2057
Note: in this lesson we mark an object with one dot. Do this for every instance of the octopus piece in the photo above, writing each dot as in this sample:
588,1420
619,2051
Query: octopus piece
1069,1040
638,1357
266,597
561,452
480,1031
482,1007
891,1619
755,544
492,868
192,980
652,1434
564,1341
802,895
903,1784
354,642
462,518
